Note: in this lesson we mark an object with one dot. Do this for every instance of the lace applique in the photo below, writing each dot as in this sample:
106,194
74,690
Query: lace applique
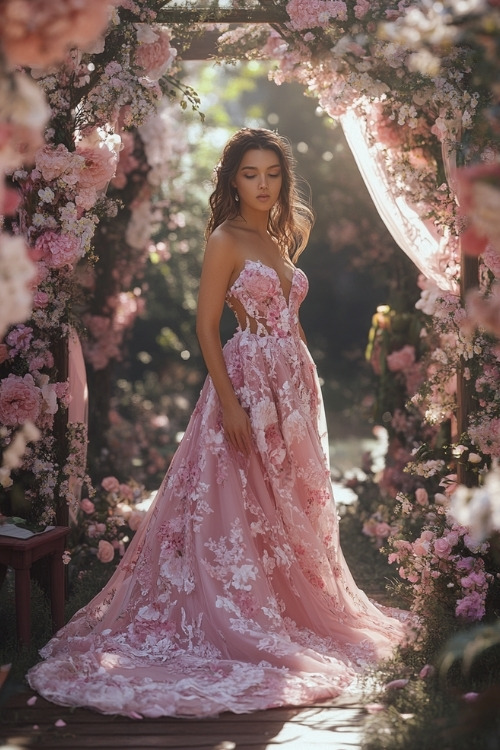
234,594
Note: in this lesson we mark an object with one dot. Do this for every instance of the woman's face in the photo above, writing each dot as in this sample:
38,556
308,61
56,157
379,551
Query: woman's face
258,179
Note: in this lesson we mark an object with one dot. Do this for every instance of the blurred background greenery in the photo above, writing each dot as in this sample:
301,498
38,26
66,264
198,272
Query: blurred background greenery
352,263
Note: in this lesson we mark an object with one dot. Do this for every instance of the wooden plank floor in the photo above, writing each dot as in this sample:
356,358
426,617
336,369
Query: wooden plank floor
332,726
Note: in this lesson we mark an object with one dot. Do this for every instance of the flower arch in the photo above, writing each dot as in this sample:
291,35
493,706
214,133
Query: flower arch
417,109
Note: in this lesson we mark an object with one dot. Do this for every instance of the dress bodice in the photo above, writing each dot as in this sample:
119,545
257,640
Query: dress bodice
268,312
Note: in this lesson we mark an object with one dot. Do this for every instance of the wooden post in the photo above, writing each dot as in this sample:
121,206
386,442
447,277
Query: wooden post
60,352
469,279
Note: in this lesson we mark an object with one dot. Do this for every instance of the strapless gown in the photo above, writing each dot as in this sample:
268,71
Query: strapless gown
234,593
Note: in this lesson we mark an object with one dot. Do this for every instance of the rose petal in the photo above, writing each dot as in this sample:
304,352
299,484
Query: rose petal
396,684
31,701
134,715
470,697
426,671
60,723
375,708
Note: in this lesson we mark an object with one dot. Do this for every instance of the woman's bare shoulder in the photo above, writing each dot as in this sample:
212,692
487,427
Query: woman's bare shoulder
222,242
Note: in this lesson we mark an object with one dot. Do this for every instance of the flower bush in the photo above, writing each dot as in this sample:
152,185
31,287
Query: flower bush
105,524
93,97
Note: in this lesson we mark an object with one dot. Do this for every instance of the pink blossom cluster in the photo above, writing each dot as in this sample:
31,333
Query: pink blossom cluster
479,199
444,561
108,522
153,55
107,331
315,13
378,529
484,310
36,33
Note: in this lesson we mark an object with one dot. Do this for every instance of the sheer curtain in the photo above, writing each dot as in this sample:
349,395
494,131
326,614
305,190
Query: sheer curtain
418,238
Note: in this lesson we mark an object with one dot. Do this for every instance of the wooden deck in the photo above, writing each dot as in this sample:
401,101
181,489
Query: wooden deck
332,726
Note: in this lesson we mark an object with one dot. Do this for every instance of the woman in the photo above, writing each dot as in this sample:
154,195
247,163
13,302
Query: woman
234,594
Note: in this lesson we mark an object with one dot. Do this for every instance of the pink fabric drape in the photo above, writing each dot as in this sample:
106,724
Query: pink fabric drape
419,238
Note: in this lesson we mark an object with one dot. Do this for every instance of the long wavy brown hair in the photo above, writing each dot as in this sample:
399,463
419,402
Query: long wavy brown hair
291,218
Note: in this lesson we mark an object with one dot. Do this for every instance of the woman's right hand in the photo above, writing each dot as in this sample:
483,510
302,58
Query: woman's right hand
237,427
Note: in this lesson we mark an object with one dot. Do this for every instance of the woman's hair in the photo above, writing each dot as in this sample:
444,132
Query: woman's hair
291,218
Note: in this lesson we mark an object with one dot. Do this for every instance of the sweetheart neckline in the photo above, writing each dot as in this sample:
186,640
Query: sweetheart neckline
261,263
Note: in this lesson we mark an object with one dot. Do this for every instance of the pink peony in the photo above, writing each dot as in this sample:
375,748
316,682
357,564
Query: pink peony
20,400
58,250
59,164
105,551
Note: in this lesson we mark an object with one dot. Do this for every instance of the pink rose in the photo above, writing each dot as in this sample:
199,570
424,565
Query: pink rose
110,484
442,547
20,400
99,167
382,530
105,551
369,527
40,299
87,506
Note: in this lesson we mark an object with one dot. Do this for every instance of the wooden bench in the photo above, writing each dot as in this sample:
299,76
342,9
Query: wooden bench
20,554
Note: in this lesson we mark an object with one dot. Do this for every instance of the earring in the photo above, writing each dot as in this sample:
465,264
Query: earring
236,197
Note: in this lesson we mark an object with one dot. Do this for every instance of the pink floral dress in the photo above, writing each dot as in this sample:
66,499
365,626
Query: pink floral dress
234,593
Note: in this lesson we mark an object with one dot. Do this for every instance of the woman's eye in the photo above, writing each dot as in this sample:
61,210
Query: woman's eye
275,175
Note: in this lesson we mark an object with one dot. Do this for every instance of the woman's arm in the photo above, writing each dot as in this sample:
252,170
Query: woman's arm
218,268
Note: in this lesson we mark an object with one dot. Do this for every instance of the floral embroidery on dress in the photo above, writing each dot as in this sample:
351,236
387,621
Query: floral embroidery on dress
233,594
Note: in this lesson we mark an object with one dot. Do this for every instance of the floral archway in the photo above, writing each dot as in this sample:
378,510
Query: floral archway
413,87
